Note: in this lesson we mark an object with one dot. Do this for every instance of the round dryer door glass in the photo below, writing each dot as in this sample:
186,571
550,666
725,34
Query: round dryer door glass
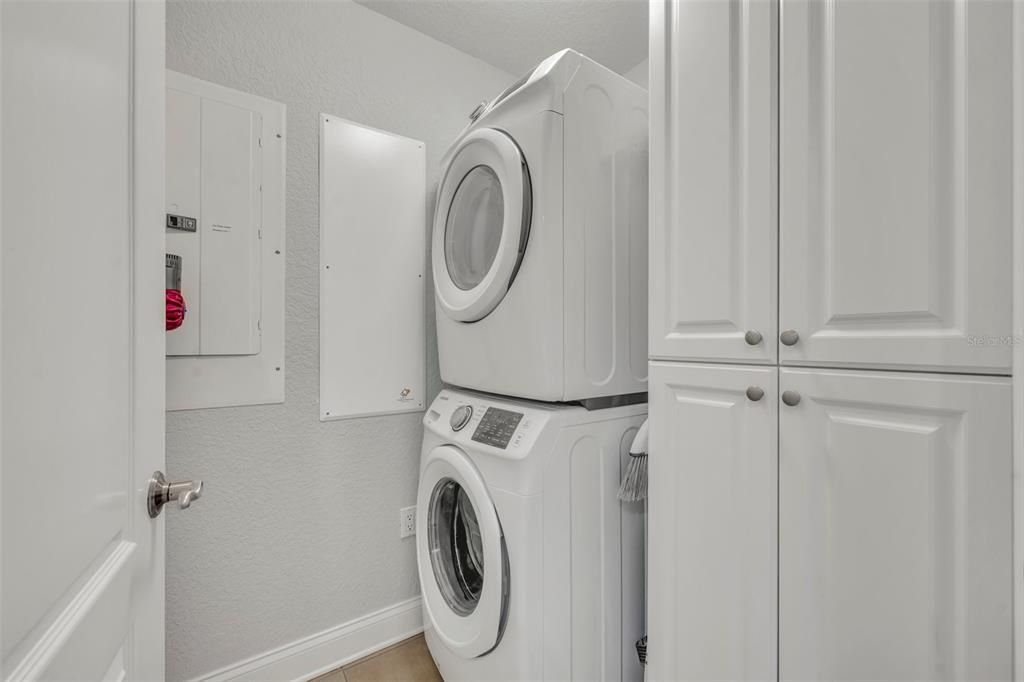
456,547
472,232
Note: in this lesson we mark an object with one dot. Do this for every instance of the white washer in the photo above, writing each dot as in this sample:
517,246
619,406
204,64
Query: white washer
530,567
540,239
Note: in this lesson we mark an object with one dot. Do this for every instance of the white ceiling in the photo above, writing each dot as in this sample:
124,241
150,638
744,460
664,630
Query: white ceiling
515,35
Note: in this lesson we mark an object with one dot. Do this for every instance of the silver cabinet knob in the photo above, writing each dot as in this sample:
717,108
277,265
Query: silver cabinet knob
752,337
161,492
789,337
791,398
755,393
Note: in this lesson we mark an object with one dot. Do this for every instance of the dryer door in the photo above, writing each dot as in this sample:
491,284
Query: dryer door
481,225
463,563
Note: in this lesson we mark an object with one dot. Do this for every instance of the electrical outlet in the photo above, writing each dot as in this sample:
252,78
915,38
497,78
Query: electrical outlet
407,521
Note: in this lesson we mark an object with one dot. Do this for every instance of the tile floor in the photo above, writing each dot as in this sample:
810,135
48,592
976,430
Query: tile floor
407,661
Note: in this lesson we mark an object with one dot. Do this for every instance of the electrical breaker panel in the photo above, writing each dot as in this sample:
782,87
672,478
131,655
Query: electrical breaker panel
214,214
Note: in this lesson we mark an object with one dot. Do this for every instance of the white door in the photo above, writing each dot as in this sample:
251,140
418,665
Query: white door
713,181
895,185
895,514
461,554
481,224
81,593
712,522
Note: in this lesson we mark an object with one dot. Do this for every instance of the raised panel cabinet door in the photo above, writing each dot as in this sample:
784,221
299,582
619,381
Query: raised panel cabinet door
713,183
712,531
895,510
895,184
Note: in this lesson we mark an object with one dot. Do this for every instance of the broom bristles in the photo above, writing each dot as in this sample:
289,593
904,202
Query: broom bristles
634,483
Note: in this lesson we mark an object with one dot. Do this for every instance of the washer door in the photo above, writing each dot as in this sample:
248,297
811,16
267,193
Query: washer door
463,563
482,222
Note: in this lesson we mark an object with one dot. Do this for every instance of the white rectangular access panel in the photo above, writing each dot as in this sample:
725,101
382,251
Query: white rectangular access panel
895,514
713,181
230,223
372,261
712,522
225,220
895,185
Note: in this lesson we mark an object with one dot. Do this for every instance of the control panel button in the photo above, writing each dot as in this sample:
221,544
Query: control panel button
496,427
460,417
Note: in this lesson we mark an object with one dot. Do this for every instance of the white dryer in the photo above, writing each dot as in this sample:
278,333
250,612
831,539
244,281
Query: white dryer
530,567
540,239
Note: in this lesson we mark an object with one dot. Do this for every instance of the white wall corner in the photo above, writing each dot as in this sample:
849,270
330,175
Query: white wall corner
333,648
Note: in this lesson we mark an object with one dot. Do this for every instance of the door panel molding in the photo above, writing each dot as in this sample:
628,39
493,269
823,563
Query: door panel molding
713,214
895,511
79,643
895,119
712,509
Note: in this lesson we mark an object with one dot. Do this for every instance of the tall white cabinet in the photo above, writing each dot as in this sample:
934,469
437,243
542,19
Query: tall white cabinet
830,319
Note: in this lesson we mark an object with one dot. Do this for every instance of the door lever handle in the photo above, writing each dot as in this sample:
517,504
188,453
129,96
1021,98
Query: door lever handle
194,492
161,492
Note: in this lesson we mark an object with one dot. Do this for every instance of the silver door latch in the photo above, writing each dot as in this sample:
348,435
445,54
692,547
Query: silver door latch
161,492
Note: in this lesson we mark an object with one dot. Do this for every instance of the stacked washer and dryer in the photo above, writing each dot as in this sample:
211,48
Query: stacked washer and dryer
530,567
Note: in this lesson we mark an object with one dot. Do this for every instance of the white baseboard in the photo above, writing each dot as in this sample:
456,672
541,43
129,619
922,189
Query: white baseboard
330,649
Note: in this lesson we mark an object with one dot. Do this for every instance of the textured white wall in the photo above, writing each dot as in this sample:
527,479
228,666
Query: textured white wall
298,528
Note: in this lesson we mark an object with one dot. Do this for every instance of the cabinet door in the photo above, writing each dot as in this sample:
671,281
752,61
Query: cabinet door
712,514
895,172
895,517
713,180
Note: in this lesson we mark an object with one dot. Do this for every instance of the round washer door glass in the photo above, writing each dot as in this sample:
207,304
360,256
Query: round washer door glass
461,556
456,547
472,232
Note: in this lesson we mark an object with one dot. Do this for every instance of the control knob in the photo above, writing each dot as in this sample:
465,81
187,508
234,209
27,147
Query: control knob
460,417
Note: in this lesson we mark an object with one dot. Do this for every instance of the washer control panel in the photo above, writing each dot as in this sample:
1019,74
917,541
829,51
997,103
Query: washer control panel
479,422
460,417
496,427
